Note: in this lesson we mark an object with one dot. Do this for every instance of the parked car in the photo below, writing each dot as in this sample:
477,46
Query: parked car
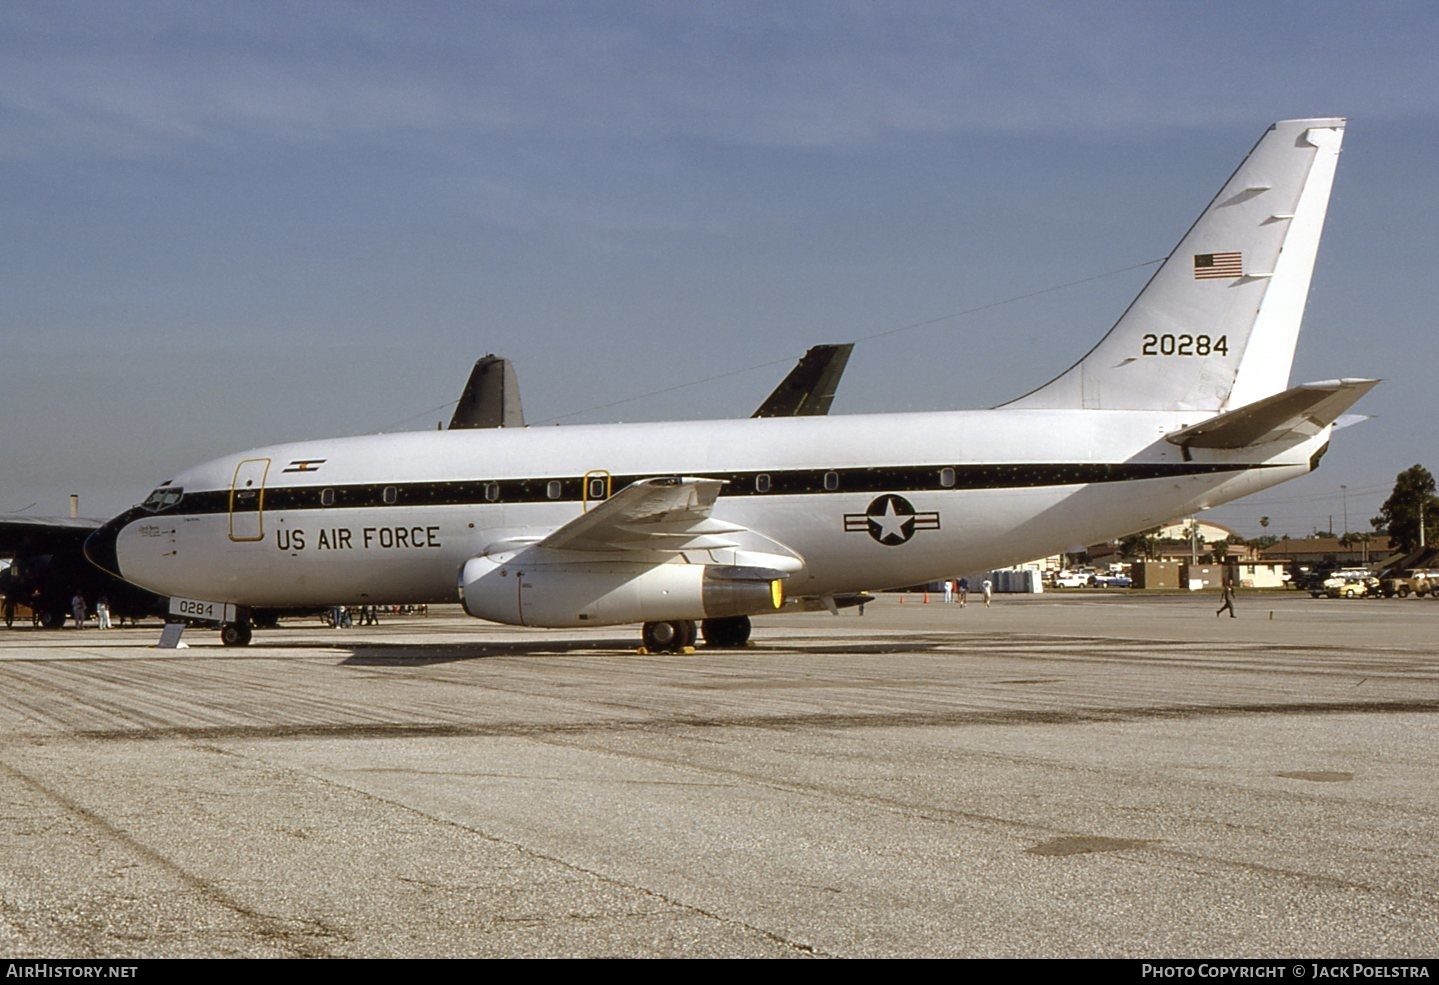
1351,588
1111,581
1074,579
1339,579
1415,581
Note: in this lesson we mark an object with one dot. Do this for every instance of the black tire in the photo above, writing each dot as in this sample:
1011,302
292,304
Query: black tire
9,614
668,637
52,618
235,634
1403,591
729,632
659,637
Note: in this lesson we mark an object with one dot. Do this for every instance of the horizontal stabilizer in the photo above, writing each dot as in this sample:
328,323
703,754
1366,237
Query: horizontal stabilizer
1298,413
1349,420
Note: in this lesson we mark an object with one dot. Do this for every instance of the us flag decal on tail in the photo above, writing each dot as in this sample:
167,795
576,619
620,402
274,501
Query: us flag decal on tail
1213,266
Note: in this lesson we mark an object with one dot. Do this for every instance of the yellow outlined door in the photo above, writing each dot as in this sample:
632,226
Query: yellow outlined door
247,499
596,487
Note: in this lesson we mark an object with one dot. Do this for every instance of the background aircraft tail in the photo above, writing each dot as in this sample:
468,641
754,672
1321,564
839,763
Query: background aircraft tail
1215,327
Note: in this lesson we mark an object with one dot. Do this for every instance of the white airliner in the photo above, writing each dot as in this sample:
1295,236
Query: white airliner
1182,406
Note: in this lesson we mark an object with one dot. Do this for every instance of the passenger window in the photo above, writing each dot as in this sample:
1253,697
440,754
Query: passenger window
946,478
831,481
761,482
327,497
391,496
492,492
553,489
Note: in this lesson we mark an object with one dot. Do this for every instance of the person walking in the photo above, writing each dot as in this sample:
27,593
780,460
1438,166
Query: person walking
963,592
1228,600
988,589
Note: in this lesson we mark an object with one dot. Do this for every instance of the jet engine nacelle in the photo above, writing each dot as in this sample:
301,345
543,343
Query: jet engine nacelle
523,591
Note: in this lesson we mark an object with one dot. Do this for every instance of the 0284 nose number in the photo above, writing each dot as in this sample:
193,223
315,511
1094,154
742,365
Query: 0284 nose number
203,610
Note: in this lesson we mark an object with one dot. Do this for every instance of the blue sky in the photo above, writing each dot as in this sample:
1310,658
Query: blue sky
230,224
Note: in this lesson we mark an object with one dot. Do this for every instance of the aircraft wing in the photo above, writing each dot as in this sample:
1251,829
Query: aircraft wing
666,514
1299,413
810,387
653,549
44,534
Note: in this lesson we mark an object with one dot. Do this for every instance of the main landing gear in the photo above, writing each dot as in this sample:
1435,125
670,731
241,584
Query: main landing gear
728,633
679,636
670,637
236,634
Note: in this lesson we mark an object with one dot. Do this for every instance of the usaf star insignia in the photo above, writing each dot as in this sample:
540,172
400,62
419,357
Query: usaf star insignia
891,520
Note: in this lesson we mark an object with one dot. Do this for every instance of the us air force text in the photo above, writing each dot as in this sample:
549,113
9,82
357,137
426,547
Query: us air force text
345,539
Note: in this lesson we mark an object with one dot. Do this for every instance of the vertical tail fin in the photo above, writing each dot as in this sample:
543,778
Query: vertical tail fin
1215,327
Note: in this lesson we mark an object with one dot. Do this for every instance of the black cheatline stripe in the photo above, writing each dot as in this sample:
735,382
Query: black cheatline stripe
782,482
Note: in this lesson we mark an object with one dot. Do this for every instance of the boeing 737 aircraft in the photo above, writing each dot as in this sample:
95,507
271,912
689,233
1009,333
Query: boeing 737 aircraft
50,569
1183,405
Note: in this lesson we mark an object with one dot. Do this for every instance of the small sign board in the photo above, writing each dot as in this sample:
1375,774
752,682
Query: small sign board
170,636
221,612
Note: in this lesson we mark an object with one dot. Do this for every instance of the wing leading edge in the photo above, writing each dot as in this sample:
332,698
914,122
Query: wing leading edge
667,514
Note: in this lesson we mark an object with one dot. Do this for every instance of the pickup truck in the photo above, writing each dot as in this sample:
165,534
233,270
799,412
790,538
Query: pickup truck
1416,581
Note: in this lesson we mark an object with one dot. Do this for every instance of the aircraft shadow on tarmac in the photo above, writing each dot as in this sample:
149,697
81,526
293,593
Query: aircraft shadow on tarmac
422,654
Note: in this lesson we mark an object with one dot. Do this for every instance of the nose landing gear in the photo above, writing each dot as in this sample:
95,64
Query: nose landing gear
236,634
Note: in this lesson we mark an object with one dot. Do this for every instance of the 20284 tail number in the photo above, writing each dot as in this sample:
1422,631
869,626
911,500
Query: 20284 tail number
1185,345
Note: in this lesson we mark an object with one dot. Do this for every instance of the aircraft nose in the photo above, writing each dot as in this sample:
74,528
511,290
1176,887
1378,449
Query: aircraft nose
100,545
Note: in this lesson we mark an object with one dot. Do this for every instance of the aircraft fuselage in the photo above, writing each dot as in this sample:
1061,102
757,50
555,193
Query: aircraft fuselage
858,502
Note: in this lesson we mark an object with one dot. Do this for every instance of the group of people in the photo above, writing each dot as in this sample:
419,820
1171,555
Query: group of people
349,616
79,610
959,589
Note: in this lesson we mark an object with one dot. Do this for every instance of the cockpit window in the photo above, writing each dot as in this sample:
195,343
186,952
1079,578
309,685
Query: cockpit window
163,498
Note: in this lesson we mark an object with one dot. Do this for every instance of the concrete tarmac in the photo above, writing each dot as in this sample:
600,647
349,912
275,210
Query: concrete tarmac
1062,775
